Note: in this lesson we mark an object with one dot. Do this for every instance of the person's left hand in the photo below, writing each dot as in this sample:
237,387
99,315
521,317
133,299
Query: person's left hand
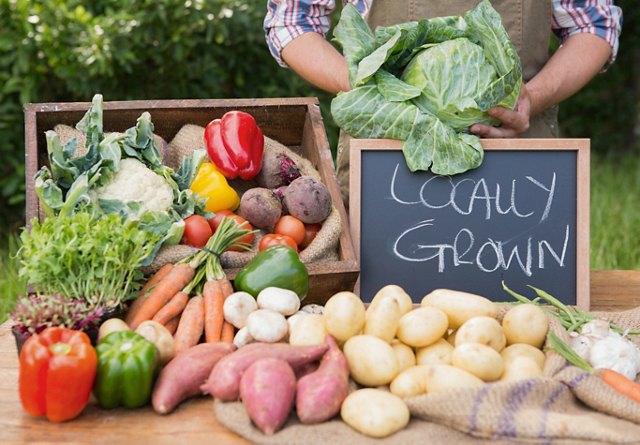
514,122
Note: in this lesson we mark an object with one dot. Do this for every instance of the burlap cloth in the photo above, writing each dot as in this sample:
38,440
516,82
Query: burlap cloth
565,406
191,137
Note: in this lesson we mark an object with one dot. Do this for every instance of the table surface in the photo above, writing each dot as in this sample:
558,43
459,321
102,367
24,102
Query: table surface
194,421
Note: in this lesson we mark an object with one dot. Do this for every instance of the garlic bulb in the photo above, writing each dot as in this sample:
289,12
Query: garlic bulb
582,345
617,353
596,329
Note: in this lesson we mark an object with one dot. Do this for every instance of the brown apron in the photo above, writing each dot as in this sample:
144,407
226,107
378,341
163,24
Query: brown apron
528,23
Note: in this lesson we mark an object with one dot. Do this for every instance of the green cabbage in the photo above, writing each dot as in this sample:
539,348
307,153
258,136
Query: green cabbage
426,83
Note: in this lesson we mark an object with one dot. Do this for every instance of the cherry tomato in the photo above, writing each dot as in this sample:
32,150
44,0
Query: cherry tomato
274,239
310,232
196,231
291,226
215,222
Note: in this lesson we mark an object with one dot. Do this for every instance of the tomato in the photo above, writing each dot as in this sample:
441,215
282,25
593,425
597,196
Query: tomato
274,239
310,232
291,226
196,231
215,222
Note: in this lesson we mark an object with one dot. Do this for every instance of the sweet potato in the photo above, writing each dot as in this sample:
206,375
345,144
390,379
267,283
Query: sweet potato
224,381
308,199
184,375
260,207
268,389
321,393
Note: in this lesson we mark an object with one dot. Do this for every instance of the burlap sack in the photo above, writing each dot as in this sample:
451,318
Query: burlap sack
565,406
323,248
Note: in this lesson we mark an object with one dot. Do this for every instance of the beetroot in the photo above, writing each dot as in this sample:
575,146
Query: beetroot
277,169
268,389
261,207
308,199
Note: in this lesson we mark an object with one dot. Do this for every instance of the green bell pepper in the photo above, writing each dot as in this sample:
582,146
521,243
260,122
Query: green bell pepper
126,370
276,266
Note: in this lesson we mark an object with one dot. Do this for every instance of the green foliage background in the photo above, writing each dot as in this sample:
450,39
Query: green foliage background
68,50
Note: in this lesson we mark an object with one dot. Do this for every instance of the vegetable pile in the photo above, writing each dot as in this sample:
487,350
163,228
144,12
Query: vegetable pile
426,82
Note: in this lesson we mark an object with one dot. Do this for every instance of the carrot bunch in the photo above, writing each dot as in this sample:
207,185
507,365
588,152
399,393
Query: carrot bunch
188,297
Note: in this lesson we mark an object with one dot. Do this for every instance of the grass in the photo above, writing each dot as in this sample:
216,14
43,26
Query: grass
615,212
615,226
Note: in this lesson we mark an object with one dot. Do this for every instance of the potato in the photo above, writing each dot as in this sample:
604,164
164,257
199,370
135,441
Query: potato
308,330
525,323
344,315
438,353
160,336
237,307
374,412
446,377
371,360
480,360
395,292
404,354
268,389
522,349
422,326
484,330
267,326
520,368
112,325
382,319
460,306
410,382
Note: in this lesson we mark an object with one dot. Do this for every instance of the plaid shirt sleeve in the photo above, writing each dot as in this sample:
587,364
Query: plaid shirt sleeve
288,19
598,17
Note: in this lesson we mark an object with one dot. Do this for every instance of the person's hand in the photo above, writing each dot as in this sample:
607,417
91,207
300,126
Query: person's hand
513,122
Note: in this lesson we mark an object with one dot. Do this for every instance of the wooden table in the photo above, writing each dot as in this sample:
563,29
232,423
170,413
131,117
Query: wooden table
194,421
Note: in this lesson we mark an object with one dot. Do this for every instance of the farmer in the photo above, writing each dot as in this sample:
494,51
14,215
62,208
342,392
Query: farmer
588,30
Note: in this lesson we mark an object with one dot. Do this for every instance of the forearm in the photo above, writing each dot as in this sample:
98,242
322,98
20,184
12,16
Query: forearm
318,62
576,62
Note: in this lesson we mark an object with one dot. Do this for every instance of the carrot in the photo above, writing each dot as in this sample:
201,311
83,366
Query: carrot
153,281
213,312
173,308
172,325
228,331
620,383
173,283
191,325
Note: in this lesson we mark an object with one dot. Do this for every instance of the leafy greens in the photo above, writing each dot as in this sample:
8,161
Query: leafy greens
426,82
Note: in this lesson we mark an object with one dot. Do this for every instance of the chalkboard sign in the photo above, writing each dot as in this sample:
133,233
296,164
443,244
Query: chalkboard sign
521,217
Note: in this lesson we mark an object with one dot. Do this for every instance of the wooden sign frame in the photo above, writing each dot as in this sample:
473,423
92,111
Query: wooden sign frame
580,146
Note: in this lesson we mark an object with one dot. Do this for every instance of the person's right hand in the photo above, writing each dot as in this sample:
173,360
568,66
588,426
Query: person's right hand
513,122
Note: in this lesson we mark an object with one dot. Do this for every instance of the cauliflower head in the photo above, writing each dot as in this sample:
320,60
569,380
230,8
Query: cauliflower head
136,182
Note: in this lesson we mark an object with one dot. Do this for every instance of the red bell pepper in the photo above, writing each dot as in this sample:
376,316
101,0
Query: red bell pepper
235,144
57,370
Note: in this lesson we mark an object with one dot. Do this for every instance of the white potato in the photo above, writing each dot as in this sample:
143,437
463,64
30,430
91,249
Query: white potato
382,319
484,330
525,323
112,325
451,337
480,360
344,315
161,338
372,361
397,293
438,353
267,326
422,326
312,308
520,368
460,306
242,337
295,318
446,377
404,354
237,307
374,412
410,382
518,349
278,299
308,330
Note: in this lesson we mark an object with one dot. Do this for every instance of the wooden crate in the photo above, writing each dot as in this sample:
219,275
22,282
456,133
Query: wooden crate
295,122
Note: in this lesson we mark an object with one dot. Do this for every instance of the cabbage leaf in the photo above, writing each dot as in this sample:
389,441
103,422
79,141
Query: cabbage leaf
426,83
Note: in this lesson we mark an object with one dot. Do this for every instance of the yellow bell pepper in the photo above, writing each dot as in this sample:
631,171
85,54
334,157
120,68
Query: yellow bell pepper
209,183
